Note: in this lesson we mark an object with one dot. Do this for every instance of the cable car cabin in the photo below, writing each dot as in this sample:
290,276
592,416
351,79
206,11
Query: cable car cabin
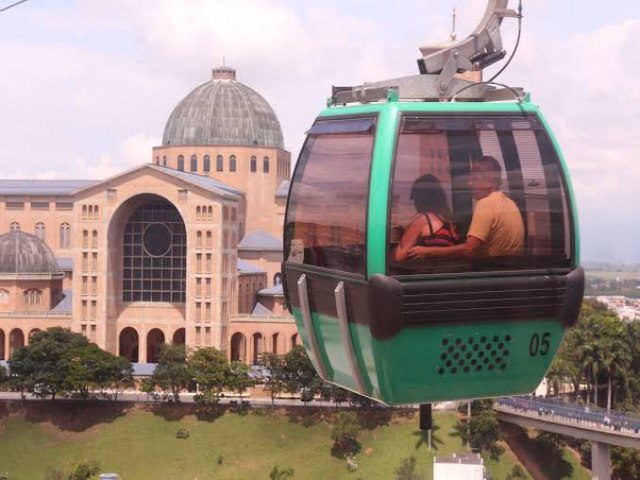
428,329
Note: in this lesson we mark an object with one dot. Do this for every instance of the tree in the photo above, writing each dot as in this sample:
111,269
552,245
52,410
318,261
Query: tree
90,368
148,386
299,374
275,382
171,373
122,375
209,368
4,376
44,365
238,379
338,395
625,463
485,433
278,473
345,433
407,470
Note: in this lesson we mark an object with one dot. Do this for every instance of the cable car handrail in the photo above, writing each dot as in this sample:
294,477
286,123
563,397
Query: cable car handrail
518,93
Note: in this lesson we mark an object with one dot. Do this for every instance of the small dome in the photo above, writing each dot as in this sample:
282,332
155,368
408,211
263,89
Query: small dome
223,111
23,253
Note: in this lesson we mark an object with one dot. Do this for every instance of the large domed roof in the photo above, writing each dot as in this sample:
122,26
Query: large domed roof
23,253
223,111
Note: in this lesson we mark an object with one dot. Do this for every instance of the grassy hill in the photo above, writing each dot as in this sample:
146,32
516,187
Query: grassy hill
140,443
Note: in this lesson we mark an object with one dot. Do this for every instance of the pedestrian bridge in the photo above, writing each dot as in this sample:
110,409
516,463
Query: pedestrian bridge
601,427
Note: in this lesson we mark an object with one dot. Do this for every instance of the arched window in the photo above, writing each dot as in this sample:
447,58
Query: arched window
164,160
194,163
65,235
277,279
265,164
94,240
15,227
219,163
199,239
84,212
39,230
85,239
155,262
232,163
206,167
254,163
4,297
181,162
157,159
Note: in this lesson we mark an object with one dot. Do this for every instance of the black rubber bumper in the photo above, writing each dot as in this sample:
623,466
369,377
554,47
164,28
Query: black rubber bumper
395,304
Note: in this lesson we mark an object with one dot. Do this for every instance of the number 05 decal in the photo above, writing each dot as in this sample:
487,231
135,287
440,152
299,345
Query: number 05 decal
539,345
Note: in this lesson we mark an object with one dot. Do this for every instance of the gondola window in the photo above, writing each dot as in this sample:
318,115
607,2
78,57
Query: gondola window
329,195
531,177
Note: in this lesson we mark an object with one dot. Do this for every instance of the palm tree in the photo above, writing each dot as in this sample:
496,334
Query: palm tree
616,352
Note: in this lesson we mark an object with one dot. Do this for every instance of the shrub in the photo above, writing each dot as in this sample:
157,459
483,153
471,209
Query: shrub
84,470
182,433
516,472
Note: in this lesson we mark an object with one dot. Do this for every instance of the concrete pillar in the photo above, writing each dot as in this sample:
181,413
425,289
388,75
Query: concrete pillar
600,461
142,348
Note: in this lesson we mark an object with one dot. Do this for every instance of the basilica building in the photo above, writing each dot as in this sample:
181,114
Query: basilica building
186,248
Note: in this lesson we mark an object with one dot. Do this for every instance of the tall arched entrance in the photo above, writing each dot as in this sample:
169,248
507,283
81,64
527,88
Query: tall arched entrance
155,338
238,347
32,333
257,341
179,337
129,344
147,253
16,340
2,352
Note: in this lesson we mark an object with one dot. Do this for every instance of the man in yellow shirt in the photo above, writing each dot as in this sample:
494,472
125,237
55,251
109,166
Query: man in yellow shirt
496,227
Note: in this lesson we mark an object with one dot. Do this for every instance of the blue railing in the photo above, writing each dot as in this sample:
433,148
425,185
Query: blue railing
552,408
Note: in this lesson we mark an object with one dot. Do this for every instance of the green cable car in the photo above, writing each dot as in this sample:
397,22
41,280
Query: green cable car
406,330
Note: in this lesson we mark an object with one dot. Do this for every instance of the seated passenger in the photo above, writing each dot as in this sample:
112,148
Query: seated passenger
431,226
496,227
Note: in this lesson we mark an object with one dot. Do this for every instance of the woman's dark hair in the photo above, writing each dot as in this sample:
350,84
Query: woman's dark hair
428,196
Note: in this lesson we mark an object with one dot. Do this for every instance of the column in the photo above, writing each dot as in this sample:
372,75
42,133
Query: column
600,461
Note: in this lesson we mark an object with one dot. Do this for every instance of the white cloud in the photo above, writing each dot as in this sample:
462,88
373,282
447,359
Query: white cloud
88,86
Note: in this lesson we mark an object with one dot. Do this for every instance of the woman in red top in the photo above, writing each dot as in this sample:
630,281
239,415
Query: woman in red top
431,227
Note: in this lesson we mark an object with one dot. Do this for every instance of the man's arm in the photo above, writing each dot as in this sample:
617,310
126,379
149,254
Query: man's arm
470,248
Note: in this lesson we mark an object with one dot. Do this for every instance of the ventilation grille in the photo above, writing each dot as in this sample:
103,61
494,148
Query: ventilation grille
474,354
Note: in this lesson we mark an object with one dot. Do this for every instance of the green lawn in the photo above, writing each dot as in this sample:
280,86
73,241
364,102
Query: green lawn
139,444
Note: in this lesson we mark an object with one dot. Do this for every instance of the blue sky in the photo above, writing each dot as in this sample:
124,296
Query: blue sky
88,85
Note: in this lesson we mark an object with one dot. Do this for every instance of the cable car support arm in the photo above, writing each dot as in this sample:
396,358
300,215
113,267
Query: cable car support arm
439,65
